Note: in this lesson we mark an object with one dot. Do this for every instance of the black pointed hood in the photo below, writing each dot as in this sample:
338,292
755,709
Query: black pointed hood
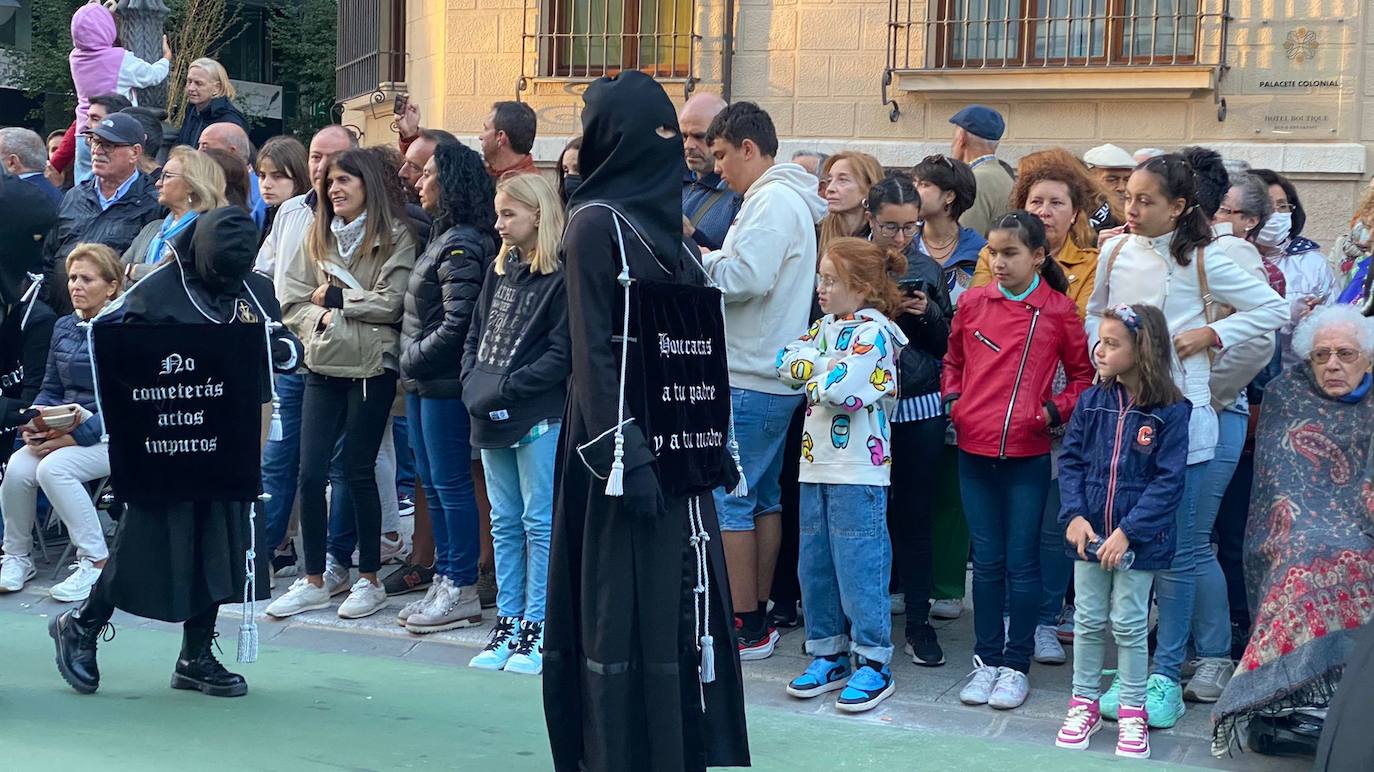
627,163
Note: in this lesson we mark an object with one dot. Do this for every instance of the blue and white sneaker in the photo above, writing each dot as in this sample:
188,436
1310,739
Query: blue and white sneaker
825,674
871,684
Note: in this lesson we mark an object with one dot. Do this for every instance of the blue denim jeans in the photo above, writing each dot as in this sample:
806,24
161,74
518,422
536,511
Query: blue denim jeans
405,457
1004,501
1056,567
440,431
281,460
1123,598
1176,587
1211,606
843,564
761,422
520,487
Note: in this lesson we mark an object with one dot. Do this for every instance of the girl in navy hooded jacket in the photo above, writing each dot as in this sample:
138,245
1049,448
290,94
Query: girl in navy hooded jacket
1120,480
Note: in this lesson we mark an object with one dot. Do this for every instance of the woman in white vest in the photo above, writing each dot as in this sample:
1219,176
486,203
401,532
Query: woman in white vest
1168,258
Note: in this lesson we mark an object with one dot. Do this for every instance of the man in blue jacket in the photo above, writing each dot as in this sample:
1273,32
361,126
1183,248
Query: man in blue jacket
709,205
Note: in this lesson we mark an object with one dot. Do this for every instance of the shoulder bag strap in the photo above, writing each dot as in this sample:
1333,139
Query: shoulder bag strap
711,200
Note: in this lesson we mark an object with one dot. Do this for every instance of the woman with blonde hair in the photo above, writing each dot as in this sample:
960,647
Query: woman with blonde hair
515,372
192,183
62,458
209,95
846,177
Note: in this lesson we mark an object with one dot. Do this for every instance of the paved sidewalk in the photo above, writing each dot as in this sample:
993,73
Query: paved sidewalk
385,697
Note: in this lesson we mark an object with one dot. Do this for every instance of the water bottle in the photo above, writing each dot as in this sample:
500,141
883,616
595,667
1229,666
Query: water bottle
1127,558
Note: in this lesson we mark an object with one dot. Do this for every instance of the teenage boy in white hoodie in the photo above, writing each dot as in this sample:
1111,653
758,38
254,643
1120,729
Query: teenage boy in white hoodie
767,270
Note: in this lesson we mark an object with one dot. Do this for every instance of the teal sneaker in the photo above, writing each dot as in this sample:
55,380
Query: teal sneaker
871,684
1111,699
824,674
1163,701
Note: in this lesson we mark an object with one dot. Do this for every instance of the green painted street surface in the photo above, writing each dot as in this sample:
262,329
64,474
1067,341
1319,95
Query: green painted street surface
322,710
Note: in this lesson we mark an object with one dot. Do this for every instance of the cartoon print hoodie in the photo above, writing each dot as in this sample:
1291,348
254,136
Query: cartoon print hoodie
100,67
848,367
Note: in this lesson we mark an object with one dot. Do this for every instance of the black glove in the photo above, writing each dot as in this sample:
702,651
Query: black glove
643,496
12,413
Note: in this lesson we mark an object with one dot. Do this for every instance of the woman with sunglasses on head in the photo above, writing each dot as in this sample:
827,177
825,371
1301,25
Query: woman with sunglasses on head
947,189
893,211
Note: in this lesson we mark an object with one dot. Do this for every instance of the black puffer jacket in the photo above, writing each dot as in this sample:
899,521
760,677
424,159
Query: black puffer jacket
80,219
443,291
217,110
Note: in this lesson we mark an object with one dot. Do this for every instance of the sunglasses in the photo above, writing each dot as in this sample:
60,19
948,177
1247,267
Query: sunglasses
1346,355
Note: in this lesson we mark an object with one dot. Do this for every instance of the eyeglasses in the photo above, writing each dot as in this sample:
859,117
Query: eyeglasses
891,229
1284,207
825,282
1228,211
1346,355
166,175
98,143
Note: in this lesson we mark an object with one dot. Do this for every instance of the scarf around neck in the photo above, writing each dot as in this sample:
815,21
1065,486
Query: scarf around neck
348,236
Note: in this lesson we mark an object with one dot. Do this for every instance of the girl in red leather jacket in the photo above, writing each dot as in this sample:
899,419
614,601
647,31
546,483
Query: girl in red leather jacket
1006,342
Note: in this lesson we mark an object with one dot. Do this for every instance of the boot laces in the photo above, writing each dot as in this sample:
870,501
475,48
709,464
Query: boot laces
500,634
1078,719
88,636
1132,730
526,640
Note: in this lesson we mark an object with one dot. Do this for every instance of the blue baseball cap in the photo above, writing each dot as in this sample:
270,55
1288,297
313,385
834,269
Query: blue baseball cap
980,121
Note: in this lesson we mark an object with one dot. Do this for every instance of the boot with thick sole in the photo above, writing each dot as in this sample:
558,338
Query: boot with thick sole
197,669
75,639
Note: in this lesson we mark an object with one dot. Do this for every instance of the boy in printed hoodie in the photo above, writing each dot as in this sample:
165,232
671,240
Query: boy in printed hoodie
100,67
765,269
847,364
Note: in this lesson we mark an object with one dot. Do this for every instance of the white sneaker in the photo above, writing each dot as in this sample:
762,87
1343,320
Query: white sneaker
1048,649
301,596
15,572
365,599
528,656
952,608
979,687
897,603
500,645
414,607
395,550
337,578
78,586
1011,689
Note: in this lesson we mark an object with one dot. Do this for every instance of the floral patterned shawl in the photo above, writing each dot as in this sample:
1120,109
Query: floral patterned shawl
1309,551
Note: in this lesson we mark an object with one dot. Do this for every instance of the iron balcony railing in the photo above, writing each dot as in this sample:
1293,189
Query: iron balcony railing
371,46
984,34
585,39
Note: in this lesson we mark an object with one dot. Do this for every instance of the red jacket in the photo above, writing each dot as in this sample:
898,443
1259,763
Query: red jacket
1000,366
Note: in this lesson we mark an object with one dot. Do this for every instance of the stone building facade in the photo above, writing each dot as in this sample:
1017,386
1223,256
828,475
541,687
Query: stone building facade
1278,83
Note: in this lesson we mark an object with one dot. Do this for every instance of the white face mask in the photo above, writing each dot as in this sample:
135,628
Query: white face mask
1276,229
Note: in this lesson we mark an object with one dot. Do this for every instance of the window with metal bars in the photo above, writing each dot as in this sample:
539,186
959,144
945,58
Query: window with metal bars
591,38
371,46
1066,33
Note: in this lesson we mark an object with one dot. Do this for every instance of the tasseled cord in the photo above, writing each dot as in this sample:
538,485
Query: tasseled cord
701,601
615,481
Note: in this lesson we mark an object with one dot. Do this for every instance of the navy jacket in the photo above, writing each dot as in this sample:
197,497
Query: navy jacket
217,110
69,378
81,219
1123,466
714,222
50,190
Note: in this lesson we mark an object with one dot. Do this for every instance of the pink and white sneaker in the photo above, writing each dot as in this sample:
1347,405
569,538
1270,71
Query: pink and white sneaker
1133,733
1080,725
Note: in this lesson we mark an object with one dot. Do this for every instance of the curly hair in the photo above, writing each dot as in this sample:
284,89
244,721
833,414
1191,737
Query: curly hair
466,189
868,268
1059,165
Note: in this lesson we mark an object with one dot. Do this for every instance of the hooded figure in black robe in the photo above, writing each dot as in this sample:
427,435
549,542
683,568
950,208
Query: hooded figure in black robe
26,321
180,562
622,689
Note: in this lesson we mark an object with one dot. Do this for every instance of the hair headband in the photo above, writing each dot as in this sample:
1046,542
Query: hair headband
1127,316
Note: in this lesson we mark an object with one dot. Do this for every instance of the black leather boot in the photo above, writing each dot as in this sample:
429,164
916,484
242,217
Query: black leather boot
75,639
198,669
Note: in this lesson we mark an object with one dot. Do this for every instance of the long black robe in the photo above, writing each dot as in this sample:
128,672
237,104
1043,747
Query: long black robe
173,562
620,662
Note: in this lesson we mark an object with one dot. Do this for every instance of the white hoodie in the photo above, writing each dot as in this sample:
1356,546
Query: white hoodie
767,270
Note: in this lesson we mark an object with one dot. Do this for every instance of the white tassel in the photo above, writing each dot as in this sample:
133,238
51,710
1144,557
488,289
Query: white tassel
248,642
248,631
742,487
274,431
708,659
615,482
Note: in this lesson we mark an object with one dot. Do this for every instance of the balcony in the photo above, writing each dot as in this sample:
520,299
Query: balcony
1168,47
371,47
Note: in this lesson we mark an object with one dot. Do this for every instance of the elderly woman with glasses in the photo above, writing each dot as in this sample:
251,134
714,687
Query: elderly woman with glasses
1309,549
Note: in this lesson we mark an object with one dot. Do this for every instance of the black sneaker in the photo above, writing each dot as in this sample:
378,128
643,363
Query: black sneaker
782,617
406,505
408,578
284,560
924,647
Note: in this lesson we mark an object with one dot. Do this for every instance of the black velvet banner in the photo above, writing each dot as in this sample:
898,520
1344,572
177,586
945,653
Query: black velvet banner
687,385
182,405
